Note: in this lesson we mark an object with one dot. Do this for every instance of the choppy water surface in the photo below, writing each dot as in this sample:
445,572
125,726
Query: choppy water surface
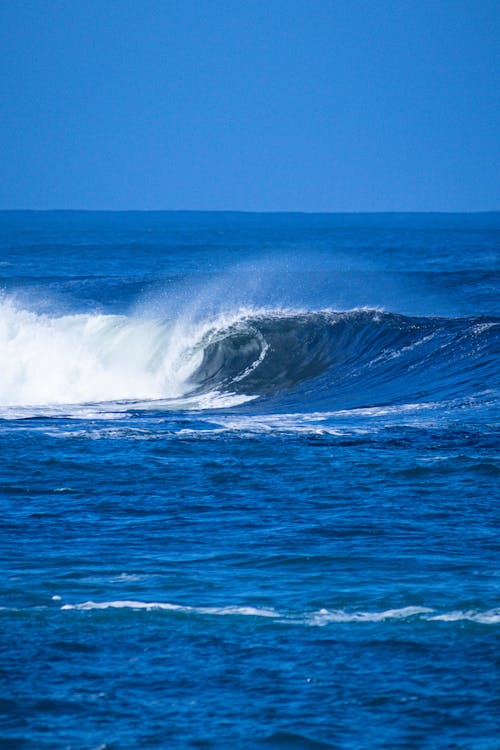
249,481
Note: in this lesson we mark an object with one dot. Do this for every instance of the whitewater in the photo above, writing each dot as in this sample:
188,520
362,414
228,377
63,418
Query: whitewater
249,480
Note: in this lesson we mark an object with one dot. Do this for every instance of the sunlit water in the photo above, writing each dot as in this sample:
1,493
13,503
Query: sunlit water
249,481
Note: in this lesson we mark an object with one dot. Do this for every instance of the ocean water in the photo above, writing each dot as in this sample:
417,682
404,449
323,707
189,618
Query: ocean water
249,481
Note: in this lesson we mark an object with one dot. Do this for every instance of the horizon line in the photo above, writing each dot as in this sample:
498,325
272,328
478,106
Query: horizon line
243,211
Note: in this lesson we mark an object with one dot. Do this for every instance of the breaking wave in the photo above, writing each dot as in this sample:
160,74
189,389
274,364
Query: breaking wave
291,359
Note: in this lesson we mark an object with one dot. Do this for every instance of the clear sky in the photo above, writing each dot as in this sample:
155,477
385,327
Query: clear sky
308,105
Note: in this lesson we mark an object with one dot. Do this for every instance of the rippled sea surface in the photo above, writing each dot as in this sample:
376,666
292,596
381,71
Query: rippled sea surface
249,481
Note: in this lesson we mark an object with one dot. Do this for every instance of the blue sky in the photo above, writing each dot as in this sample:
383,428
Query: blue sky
250,105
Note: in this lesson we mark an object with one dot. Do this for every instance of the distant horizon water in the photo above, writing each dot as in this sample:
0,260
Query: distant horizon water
251,211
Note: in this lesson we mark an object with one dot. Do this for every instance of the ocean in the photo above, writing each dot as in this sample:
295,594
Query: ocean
249,481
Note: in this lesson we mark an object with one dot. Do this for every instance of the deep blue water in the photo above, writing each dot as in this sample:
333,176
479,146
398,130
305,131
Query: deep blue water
249,481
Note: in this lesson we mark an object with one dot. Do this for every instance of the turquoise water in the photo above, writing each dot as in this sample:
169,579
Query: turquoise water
249,480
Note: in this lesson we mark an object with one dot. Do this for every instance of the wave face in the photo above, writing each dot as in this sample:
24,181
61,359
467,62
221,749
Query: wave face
298,359
350,358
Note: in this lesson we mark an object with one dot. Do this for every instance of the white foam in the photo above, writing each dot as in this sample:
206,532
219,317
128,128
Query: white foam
317,423
75,359
318,618
489,617
325,616
132,604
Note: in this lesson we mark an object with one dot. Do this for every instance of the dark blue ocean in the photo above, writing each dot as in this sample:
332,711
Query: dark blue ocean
249,481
